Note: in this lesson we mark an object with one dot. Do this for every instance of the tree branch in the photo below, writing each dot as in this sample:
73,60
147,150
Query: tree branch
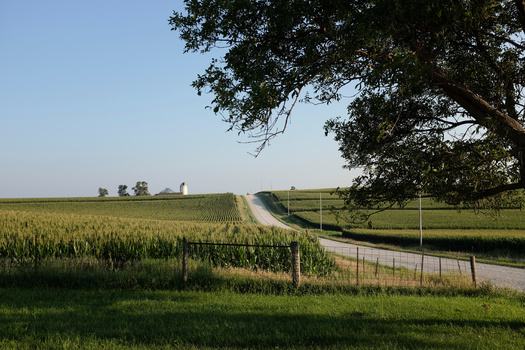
500,189
482,111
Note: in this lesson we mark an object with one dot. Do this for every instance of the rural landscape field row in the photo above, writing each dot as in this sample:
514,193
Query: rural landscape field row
196,208
445,228
106,274
130,231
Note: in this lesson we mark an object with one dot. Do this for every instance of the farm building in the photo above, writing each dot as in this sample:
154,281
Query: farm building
169,192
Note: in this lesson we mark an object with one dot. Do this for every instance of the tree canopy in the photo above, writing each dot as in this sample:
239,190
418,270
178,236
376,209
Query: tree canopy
123,190
102,192
439,85
141,189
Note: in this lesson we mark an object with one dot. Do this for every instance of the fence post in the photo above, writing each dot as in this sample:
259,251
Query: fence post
357,266
473,268
296,264
184,259
393,267
459,266
440,276
377,265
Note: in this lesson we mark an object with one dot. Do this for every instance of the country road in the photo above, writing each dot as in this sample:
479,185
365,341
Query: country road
499,276
261,213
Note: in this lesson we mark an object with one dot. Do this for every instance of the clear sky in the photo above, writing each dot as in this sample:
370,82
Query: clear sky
97,94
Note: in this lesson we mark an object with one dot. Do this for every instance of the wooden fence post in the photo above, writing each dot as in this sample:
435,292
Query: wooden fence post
459,266
440,276
184,259
296,264
393,267
473,269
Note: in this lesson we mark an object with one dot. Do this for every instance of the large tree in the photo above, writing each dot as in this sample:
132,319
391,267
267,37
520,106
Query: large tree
123,190
102,192
141,189
439,87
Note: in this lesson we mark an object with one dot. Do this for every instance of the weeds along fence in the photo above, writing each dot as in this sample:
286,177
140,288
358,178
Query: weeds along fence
294,248
363,265
267,257
352,265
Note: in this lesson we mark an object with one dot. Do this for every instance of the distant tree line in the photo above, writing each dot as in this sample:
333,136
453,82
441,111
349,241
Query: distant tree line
140,189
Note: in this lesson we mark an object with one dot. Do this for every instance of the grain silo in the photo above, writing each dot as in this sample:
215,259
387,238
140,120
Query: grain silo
184,188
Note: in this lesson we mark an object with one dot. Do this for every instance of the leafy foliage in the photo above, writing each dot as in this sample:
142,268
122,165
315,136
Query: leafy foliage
439,103
141,189
102,192
122,190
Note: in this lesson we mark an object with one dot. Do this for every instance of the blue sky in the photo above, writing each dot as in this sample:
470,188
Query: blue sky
97,94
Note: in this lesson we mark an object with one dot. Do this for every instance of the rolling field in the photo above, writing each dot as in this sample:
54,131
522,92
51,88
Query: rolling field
308,204
444,228
130,239
196,208
118,232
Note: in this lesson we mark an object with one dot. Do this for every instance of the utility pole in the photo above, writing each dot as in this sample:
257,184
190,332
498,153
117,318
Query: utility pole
321,211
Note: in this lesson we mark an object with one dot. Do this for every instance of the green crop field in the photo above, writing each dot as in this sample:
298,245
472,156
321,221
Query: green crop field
308,204
197,208
445,228
446,219
129,230
328,199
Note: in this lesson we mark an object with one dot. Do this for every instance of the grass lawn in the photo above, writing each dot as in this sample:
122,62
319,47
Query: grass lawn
127,319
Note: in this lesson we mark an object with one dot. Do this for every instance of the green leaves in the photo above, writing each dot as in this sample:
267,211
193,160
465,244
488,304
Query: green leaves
440,84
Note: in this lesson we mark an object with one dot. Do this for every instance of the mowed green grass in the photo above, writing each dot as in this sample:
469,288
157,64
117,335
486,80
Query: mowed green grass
90,319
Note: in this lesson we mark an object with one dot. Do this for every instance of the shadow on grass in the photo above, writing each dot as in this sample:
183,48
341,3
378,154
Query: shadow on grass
50,317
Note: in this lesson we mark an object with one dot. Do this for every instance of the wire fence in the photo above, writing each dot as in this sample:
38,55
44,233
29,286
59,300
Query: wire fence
365,265
356,265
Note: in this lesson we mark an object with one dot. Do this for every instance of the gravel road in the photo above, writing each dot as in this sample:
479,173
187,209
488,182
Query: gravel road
500,276
261,213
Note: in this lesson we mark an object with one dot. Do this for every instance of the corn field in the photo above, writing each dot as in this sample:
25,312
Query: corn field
25,236
218,208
